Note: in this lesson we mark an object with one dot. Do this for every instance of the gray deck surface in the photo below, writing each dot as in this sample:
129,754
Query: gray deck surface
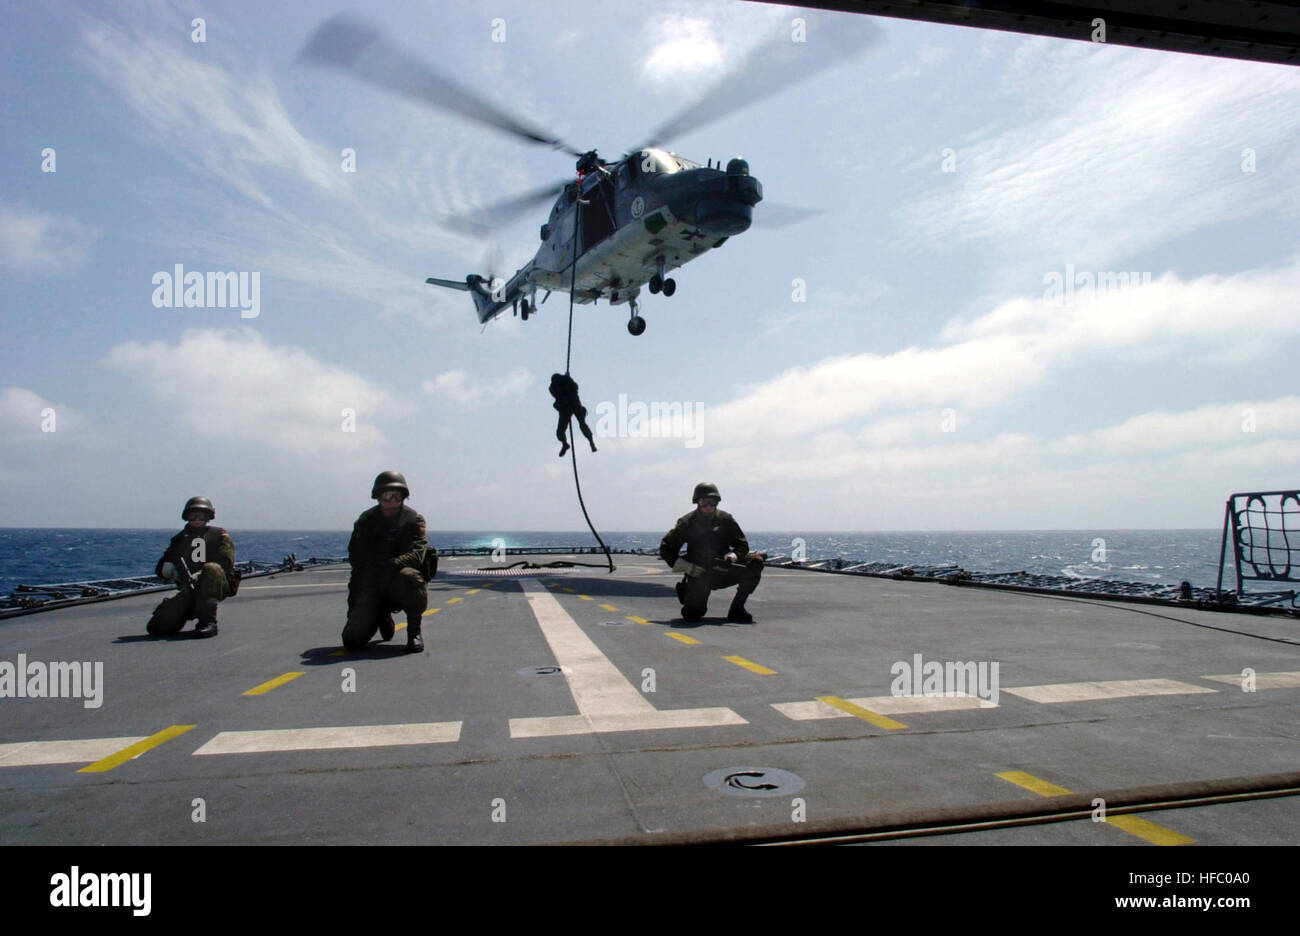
642,769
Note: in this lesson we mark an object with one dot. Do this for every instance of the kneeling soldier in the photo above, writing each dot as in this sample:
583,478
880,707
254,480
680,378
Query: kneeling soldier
390,559
201,560
714,547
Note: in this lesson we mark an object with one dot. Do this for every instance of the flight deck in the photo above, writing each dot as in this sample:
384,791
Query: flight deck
574,705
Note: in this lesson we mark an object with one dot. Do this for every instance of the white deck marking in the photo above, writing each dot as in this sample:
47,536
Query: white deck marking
86,751
353,736
881,705
1116,689
606,700
1263,680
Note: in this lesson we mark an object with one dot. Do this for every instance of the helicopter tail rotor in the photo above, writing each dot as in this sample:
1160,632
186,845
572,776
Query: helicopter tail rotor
488,293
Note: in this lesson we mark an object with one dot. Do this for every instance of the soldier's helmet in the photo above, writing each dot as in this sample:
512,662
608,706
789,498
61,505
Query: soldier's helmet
390,481
198,503
705,489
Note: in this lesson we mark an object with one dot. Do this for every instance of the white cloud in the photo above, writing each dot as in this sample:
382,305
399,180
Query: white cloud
804,422
838,456
225,122
39,439
24,414
223,118
1079,183
925,58
976,373
469,391
1217,425
684,47
1245,312
39,242
236,385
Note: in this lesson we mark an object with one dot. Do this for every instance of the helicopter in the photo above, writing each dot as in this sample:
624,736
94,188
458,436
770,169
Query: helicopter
617,226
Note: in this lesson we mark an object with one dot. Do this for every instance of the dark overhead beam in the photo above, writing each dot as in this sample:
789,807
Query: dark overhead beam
1243,29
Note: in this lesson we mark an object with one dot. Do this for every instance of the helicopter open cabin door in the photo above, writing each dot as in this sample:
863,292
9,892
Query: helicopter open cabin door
598,212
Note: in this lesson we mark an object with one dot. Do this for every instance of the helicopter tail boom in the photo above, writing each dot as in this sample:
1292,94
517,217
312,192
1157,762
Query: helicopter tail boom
491,296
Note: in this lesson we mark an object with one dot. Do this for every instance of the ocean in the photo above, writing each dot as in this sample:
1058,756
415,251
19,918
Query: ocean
1165,557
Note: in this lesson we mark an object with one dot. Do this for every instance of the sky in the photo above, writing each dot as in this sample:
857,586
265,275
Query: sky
946,345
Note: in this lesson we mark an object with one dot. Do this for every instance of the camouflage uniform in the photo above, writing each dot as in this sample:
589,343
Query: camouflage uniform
565,390
387,557
708,539
213,579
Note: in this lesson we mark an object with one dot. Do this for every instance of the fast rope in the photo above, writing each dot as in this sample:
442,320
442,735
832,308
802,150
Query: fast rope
557,564
568,358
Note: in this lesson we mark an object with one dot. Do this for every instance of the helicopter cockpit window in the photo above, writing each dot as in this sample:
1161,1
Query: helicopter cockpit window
656,160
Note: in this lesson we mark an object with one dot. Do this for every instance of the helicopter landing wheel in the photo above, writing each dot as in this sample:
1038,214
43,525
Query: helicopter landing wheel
670,286
656,283
524,309
636,325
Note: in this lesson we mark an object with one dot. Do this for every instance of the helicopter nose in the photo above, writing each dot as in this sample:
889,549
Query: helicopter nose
730,211
723,217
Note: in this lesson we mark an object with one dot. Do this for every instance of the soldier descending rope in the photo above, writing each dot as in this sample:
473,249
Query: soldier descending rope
565,390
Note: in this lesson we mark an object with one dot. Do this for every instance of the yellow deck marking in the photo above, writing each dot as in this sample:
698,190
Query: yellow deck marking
586,598
454,600
1143,829
399,627
475,591
844,705
1032,783
1134,825
682,637
569,590
639,620
135,750
609,607
430,611
276,683
750,665
339,652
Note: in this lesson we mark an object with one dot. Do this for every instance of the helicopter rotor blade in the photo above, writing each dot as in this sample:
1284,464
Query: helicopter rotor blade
494,216
772,215
361,50
492,259
775,65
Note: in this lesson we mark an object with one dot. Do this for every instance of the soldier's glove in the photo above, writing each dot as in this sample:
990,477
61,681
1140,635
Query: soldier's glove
730,557
688,568
169,571
755,559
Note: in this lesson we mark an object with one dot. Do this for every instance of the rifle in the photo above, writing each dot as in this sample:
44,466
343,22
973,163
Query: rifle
184,580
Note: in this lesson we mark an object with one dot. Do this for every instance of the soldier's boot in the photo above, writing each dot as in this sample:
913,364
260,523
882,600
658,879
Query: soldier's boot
170,616
414,639
737,613
207,623
387,628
